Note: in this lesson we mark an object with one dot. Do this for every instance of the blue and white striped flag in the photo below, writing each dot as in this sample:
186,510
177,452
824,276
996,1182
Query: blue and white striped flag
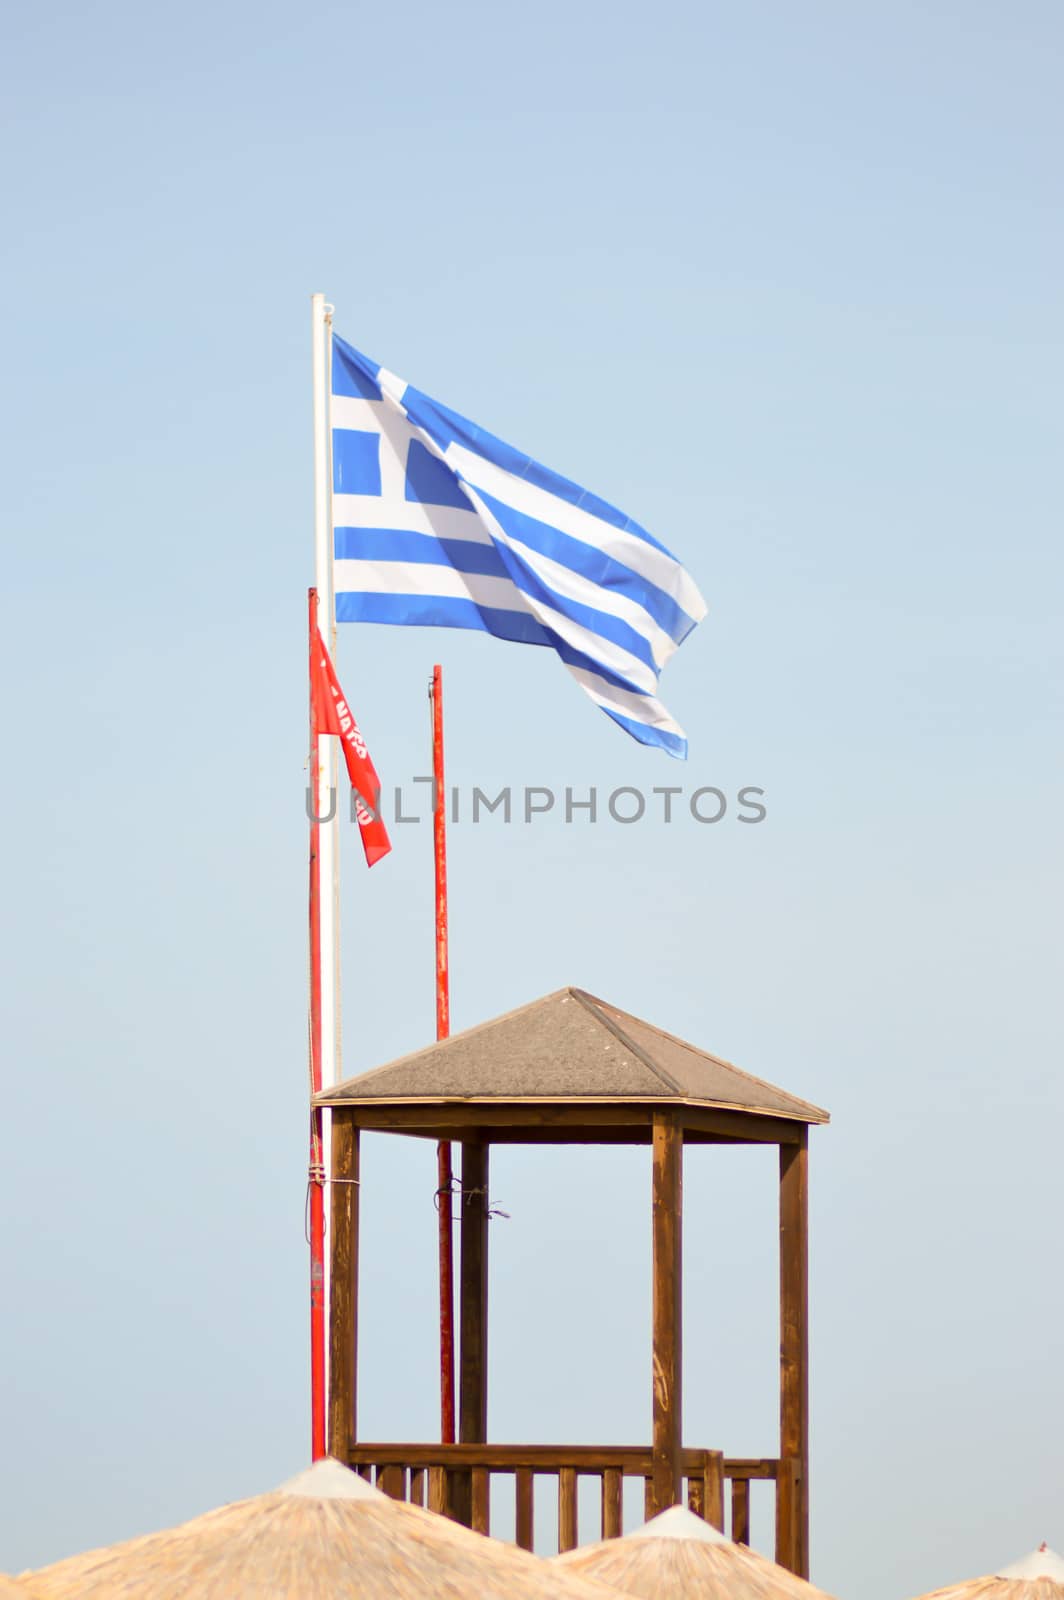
438,523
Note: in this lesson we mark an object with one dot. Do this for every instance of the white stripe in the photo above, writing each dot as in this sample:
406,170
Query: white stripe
415,577
392,388
591,644
660,569
639,707
351,411
441,522
396,434
571,586
447,522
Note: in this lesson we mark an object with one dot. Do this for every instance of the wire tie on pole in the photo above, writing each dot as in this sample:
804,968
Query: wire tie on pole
470,1193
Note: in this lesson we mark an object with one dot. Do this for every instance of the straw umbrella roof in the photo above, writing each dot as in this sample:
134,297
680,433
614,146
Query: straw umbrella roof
678,1556
326,1535
1039,1576
14,1589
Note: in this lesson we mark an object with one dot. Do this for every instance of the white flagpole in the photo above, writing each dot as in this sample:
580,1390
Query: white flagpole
324,782
326,787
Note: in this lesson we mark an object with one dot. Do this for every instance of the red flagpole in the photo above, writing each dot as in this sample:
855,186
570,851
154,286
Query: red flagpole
443,1028
317,1172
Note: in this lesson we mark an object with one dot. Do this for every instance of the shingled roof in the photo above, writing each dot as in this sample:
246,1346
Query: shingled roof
569,1047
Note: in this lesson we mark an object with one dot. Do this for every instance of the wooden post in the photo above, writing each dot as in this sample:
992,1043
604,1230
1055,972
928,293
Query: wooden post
567,1536
713,1489
668,1269
524,1519
794,1347
343,1286
740,1510
612,1489
473,1355
473,1402
788,1514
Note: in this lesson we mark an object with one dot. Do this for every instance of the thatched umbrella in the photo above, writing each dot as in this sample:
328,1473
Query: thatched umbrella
678,1556
14,1589
325,1535
1039,1576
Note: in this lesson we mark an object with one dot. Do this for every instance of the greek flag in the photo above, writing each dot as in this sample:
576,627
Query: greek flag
438,523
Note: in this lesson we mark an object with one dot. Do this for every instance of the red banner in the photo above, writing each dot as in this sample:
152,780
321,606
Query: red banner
334,716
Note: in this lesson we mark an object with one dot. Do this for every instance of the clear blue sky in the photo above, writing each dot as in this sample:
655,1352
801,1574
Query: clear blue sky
783,282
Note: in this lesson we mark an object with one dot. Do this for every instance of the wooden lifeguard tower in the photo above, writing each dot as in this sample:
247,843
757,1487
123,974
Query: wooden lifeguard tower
571,1069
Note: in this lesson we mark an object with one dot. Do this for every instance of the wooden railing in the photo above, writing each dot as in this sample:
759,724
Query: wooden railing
456,1480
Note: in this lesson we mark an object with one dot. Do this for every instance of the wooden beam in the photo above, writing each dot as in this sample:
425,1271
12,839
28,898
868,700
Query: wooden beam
631,1460
794,1346
709,1125
667,1230
571,1122
343,1286
746,1468
473,1316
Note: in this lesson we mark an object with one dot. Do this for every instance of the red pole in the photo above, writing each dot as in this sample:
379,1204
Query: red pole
443,1028
317,1171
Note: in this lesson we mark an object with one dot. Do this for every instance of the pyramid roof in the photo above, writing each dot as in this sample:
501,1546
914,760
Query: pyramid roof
563,1049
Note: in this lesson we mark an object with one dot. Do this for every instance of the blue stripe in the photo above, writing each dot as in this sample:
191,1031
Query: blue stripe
397,544
353,373
490,561
431,611
594,565
577,658
445,427
448,611
671,743
445,611
602,623
440,611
